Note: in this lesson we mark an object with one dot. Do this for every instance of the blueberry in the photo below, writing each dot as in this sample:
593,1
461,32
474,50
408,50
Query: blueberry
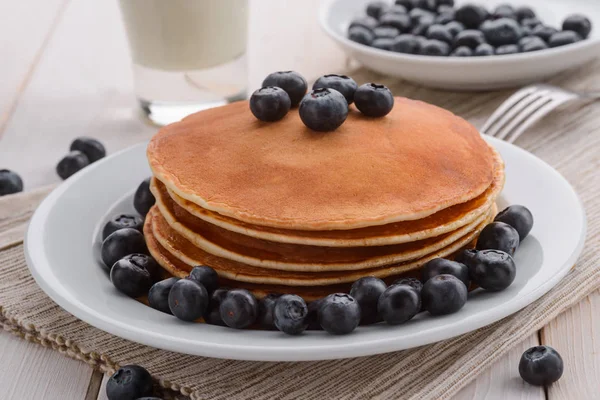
122,221
504,11
408,44
455,27
132,274
399,304
402,22
418,14
72,163
435,48
470,38
383,43
207,276
188,300
499,236
143,200
466,256
507,49
408,4
444,294
519,217
342,83
429,5
289,314
564,38
366,292
365,22
492,270
129,382
122,243
502,32
527,31
313,315
412,282
292,82
531,22
462,51
421,27
397,9
324,109
533,44
578,23
158,296
376,8
441,266
266,305
212,315
484,49
92,148
445,18
10,182
360,34
386,32
544,32
439,32
270,103
471,15
239,309
541,366
524,13
339,314
374,100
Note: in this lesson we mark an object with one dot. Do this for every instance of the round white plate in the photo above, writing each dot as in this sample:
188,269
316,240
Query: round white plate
471,73
61,249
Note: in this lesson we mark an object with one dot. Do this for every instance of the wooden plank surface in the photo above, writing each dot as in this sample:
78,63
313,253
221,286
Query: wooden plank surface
30,371
575,334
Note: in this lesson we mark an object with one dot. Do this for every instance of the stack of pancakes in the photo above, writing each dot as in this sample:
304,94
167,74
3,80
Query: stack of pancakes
276,207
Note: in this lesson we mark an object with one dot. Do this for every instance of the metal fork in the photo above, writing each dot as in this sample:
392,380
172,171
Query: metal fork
526,107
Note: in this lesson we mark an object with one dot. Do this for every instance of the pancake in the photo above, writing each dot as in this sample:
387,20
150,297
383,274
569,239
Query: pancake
174,224
400,232
186,252
414,162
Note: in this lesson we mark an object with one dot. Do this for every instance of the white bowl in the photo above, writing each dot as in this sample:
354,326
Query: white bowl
471,73
62,249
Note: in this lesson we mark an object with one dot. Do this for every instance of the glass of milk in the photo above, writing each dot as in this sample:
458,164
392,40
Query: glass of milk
188,55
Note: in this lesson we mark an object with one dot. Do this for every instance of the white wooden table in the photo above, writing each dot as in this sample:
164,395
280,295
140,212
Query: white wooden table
64,72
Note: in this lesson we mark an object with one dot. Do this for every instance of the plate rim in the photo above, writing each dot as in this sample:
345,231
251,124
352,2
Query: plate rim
40,269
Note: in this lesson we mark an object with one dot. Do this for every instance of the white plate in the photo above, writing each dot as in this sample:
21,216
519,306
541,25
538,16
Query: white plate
471,73
63,232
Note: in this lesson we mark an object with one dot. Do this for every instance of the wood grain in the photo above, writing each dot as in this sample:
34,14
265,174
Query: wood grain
575,335
502,380
94,386
30,371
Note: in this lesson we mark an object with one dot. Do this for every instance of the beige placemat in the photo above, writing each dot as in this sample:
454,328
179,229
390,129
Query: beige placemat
569,140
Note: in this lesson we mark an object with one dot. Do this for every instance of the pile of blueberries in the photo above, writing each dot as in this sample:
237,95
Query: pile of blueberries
83,152
442,290
325,107
437,28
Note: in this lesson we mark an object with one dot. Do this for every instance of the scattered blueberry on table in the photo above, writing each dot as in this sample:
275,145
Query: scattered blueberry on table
73,162
437,26
10,182
129,382
541,366
92,148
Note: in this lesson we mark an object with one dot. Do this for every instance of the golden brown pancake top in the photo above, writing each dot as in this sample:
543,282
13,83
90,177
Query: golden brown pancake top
417,160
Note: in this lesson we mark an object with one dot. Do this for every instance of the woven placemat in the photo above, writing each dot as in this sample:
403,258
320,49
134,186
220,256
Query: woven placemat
569,140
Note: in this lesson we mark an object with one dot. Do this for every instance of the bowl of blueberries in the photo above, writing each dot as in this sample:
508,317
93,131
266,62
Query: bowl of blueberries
466,45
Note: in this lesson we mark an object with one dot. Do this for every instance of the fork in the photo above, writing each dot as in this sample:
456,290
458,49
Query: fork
526,107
